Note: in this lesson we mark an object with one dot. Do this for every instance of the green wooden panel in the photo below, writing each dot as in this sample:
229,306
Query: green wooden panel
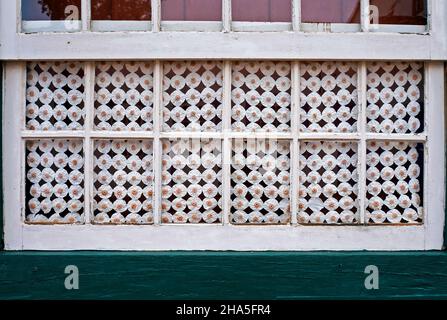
213,275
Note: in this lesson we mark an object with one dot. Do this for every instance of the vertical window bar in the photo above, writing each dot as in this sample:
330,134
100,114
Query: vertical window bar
364,16
156,15
296,15
227,143
226,15
89,106
429,15
362,90
158,96
295,152
86,15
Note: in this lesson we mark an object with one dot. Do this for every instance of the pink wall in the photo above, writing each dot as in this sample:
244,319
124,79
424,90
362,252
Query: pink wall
191,10
401,11
333,11
262,10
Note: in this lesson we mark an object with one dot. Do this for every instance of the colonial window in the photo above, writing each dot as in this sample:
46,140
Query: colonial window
134,131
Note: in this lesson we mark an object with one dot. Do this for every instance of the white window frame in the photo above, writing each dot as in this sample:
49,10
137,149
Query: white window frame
224,46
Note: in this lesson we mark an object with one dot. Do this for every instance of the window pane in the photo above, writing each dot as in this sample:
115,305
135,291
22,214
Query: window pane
261,96
334,11
394,182
123,182
191,10
192,97
262,10
395,97
191,179
401,11
35,10
121,10
55,96
124,96
260,181
329,97
54,181
328,183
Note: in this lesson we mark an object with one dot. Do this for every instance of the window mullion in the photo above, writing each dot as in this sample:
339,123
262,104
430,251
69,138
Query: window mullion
158,96
296,15
361,127
364,15
226,15
86,15
89,106
227,143
295,152
156,15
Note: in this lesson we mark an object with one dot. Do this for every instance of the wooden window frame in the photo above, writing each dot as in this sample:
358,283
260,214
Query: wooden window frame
226,46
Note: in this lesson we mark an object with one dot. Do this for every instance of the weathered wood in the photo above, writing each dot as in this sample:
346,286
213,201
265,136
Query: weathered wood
209,275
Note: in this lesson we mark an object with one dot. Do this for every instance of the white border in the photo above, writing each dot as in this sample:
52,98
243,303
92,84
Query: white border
294,237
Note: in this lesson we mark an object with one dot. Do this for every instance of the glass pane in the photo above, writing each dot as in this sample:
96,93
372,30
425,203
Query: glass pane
191,179
191,10
35,10
395,97
411,12
123,182
260,181
54,182
262,10
121,10
261,96
328,182
394,182
55,96
124,96
329,97
334,11
192,96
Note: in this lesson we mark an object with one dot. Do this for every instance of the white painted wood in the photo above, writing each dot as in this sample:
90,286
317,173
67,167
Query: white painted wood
329,136
243,26
330,27
295,146
405,137
50,26
438,28
53,134
13,100
88,142
106,25
86,14
226,15
156,15
192,135
400,28
296,15
191,26
434,185
157,152
364,15
122,134
227,144
361,127
237,45
219,237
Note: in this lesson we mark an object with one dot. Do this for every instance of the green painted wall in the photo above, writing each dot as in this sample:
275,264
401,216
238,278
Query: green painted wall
211,275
